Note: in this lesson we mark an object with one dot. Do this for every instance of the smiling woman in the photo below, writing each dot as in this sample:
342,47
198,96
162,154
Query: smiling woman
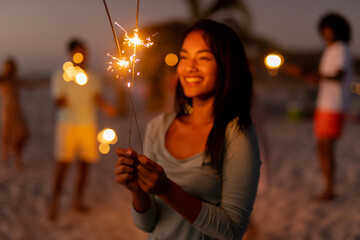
198,176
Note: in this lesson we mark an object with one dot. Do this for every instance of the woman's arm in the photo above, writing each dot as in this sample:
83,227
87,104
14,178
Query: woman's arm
241,171
144,212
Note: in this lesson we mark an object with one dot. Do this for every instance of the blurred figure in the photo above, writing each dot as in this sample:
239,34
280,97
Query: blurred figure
14,128
76,127
333,98
334,95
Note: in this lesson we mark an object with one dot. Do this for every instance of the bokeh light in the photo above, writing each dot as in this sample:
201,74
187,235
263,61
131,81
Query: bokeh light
78,58
104,148
171,59
109,135
81,78
273,61
106,137
67,66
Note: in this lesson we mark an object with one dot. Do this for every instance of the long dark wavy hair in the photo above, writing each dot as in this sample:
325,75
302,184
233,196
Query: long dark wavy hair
233,89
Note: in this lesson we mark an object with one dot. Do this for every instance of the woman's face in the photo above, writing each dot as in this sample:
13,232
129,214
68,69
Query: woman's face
197,68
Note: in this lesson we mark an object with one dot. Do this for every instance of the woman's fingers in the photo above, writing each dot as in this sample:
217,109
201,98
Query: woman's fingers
123,169
124,178
124,161
126,152
151,176
149,164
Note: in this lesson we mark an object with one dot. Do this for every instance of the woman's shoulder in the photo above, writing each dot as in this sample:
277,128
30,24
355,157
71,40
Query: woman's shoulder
233,130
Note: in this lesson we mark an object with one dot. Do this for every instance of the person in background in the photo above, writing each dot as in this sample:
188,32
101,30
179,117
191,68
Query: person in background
333,98
14,127
198,176
76,126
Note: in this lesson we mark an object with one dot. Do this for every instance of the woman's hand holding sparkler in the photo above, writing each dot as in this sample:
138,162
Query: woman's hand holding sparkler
140,174
125,169
151,176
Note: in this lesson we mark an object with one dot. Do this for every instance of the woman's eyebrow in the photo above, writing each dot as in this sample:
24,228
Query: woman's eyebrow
200,51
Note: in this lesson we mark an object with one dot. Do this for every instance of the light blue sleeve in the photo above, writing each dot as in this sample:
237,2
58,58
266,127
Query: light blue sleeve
241,171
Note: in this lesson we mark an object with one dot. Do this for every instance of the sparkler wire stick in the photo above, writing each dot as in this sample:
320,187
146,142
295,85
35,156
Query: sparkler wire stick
132,83
112,28
133,76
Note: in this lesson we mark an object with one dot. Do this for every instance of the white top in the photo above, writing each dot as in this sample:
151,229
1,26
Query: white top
227,201
334,95
81,105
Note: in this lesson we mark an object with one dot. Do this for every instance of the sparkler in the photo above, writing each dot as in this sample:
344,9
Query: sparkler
124,64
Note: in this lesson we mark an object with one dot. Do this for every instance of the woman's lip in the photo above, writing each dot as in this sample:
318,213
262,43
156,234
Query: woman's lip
193,79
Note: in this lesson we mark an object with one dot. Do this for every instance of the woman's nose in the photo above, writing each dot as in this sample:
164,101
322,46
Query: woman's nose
192,65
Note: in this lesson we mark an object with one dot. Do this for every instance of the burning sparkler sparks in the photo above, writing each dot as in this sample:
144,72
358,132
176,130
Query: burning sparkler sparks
124,64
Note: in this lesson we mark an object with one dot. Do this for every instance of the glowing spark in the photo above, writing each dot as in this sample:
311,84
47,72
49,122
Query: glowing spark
136,40
121,27
121,64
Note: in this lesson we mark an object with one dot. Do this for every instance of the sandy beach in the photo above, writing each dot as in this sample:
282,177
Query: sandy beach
283,211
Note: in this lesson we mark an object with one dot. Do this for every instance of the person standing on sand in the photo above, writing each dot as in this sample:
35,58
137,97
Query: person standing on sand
334,95
333,98
14,127
76,128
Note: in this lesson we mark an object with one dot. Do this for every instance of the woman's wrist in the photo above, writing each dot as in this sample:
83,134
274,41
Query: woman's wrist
141,201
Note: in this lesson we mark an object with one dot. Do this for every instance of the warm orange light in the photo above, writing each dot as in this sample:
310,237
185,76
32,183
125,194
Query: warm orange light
104,148
66,77
171,59
67,65
81,78
78,58
273,61
107,136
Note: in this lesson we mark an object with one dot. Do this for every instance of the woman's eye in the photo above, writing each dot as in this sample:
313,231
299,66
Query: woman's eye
205,58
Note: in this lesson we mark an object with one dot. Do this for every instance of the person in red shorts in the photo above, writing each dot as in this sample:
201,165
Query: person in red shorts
333,99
